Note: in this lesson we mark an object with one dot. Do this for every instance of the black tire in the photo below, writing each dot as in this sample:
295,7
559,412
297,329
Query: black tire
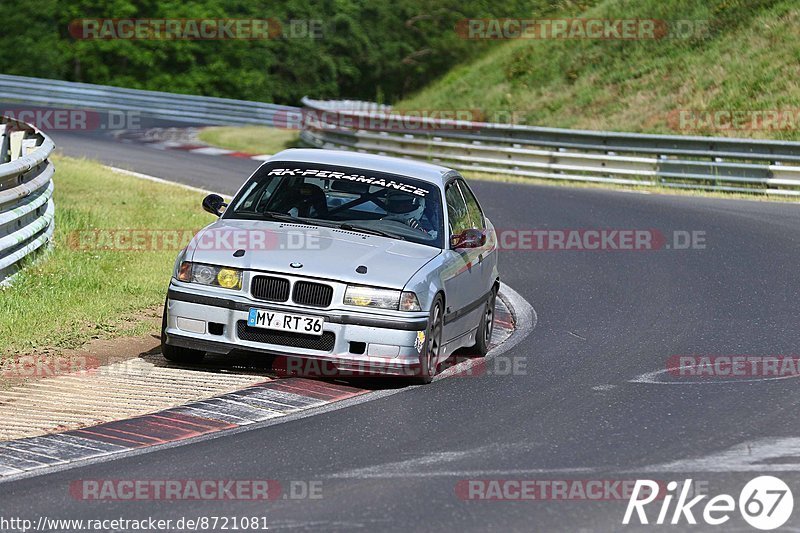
433,343
486,326
177,354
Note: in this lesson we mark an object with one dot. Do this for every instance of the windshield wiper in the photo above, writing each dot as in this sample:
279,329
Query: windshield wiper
361,229
280,216
285,217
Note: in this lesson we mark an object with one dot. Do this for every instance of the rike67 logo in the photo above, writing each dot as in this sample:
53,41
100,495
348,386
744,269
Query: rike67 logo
765,503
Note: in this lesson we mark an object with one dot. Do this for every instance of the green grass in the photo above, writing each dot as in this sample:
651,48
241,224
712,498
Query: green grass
71,296
747,61
250,139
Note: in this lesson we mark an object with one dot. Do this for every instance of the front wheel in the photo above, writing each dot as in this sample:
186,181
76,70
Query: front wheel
429,356
177,354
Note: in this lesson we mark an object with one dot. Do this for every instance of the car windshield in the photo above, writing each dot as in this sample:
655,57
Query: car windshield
349,198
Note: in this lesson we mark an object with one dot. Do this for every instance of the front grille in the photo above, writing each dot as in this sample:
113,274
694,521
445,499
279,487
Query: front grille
270,288
312,294
323,343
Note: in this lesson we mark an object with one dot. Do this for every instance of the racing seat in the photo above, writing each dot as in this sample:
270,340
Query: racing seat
307,198
400,203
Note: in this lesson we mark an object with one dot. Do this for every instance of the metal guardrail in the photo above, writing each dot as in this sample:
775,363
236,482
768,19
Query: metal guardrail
26,193
689,162
686,162
168,106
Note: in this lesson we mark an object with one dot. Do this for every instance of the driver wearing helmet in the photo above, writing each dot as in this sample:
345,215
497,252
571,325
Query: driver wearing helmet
408,209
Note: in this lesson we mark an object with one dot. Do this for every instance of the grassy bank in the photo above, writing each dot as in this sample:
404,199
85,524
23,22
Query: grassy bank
746,60
79,292
250,139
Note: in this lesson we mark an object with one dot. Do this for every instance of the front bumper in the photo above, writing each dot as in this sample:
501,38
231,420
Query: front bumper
210,322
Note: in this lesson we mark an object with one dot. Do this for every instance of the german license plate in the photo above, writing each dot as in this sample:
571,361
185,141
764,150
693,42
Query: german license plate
262,318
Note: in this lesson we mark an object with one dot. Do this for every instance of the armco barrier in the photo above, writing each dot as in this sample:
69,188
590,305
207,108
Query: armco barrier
182,108
26,193
677,161
688,162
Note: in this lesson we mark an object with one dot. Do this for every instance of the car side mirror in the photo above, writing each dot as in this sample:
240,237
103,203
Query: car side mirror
469,238
213,203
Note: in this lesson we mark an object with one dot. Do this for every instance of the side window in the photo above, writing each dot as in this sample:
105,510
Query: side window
474,213
456,209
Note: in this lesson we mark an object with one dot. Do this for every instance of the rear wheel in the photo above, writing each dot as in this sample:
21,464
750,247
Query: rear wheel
483,336
429,356
177,354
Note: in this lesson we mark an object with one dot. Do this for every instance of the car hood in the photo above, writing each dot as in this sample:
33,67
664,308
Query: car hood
323,252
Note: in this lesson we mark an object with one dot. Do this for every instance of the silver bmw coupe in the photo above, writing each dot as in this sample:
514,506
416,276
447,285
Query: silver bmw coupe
367,263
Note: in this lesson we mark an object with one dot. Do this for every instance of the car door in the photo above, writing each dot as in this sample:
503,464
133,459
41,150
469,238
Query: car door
487,254
462,277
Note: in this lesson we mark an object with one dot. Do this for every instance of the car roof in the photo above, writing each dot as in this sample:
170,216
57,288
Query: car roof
427,172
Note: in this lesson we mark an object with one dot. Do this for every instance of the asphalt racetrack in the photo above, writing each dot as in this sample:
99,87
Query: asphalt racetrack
590,396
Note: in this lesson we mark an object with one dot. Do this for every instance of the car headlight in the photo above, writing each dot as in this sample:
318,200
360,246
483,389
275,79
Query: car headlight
212,275
380,298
